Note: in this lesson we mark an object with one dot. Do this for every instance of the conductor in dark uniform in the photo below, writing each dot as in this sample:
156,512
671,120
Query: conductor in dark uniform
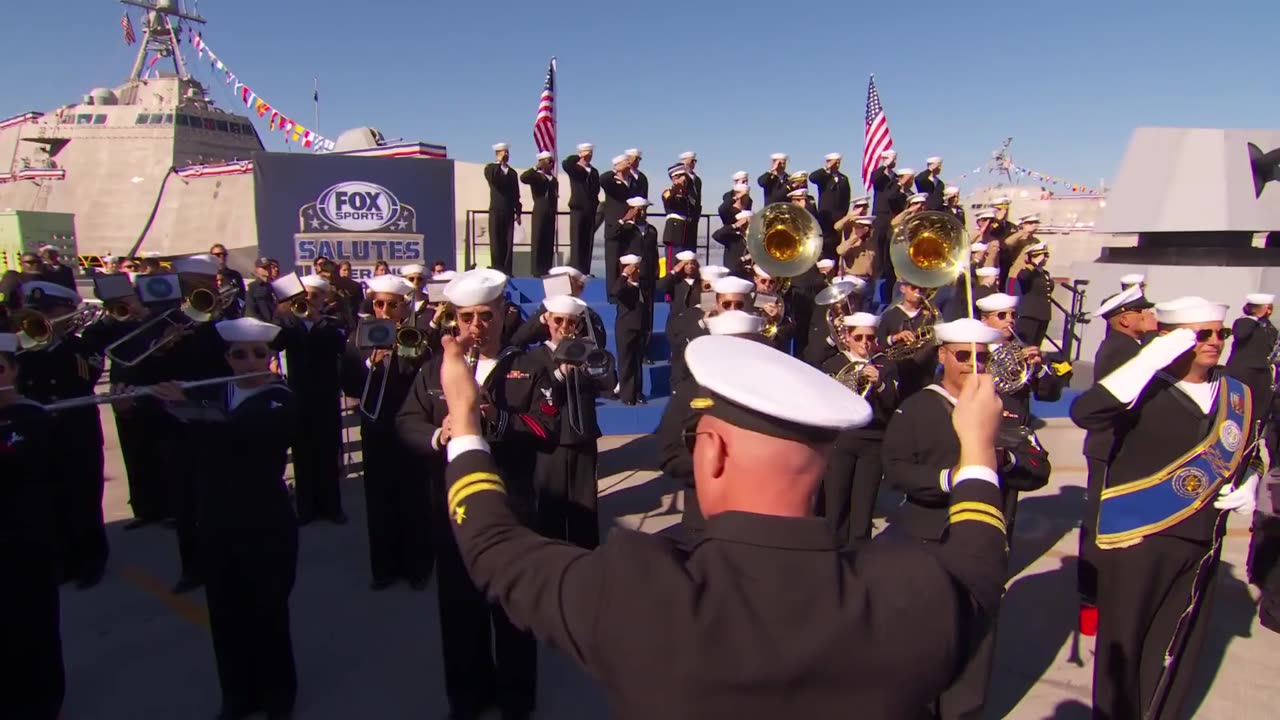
629,328
504,207
774,182
545,188
584,197
929,183
834,195
1035,286
487,661
759,450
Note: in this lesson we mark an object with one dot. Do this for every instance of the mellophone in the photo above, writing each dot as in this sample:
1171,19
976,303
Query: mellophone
143,391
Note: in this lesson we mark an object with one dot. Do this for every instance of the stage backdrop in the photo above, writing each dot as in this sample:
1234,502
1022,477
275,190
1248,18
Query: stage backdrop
353,208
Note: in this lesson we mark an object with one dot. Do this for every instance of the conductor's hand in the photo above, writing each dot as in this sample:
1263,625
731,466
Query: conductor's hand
461,392
976,420
170,392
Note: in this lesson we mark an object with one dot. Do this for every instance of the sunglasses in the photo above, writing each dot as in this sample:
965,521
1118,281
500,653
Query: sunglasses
258,353
413,278
690,437
387,304
732,305
469,318
1203,336
965,356
861,338
1006,315
557,320
218,254
128,268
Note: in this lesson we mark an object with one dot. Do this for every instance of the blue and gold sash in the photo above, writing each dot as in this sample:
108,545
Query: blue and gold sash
1132,511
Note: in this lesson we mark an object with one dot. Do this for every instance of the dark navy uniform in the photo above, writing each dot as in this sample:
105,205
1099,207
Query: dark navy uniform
680,208
1035,285
854,468
634,309
735,248
260,302
889,201
728,211
834,195
534,332
684,292
504,210
933,186
618,190
775,187
1253,340
584,197
639,239
916,372
546,192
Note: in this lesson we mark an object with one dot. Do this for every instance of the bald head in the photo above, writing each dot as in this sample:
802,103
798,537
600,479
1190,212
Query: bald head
745,471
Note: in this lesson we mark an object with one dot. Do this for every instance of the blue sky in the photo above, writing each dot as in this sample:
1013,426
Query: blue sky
732,81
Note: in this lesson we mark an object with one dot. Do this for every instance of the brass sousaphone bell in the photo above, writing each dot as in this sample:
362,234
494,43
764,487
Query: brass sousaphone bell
929,250
784,241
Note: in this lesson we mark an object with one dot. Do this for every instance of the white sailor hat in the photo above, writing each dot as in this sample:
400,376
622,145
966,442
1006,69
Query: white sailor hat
950,190
569,270
740,175
1260,299
867,220
246,329
889,154
315,282
499,147
778,156
390,284
688,155
711,273
798,176
905,171
413,269
633,152
858,283
197,264
987,271
544,155
617,159
826,264
1002,200
996,302
1130,298
809,407
445,275
987,214
743,215
1037,249
864,200
734,322
966,330
8,343
917,198
932,160
150,253
638,202
629,259
585,147
686,255
760,272
284,287
732,285
978,247
832,156
742,188
33,290
798,192
1188,310
475,287
860,319
677,170
564,305
1133,279
1032,218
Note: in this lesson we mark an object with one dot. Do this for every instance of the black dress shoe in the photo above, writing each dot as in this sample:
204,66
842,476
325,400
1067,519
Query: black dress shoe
136,523
418,584
628,402
642,400
380,584
186,584
338,518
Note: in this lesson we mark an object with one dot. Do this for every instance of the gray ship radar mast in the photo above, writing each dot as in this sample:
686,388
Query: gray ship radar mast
160,34
1001,160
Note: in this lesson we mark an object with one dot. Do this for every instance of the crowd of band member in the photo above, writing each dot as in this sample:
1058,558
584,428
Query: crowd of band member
538,381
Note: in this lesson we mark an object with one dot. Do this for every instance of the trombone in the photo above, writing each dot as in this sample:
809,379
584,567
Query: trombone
410,343
201,306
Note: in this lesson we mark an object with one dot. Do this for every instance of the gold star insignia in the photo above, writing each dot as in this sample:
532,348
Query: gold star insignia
460,514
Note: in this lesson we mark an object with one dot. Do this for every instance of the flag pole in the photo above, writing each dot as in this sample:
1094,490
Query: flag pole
315,97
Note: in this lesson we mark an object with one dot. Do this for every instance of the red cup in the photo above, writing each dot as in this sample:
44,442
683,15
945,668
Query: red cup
1088,620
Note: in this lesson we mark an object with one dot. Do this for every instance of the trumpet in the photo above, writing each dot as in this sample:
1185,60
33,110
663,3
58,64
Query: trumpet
410,342
33,329
203,304
300,308
447,317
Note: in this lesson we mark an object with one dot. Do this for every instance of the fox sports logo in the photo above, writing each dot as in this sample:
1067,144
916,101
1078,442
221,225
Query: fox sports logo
358,206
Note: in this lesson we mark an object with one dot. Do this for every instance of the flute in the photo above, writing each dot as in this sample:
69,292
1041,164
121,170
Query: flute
105,398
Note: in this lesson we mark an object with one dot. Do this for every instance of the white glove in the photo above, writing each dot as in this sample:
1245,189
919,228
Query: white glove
1127,381
1242,499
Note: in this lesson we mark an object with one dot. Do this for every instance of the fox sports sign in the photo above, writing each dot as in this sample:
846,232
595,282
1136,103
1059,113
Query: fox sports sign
358,206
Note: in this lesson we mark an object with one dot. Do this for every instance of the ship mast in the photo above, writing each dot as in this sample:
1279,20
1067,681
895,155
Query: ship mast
160,35
1001,160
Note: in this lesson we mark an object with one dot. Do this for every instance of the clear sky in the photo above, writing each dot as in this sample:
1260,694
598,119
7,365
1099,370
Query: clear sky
734,81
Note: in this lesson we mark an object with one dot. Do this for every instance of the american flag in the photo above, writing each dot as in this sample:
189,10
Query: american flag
877,138
544,123
127,24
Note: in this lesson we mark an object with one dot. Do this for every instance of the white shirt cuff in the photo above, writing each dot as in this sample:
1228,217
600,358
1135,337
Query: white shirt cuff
558,375
944,480
368,363
435,438
968,472
466,443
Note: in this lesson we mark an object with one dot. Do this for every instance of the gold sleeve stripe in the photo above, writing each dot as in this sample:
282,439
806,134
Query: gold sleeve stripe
971,506
470,479
980,517
472,489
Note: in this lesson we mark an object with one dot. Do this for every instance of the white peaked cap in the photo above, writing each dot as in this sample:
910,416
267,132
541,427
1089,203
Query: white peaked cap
742,188
760,273
1002,200
798,176
315,282
865,220
544,155
629,260
500,147
977,247
413,269
731,367
564,305
832,156
917,198
1188,310
987,214
951,190
638,202
1037,248
744,215
51,289
860,319
826,264
967,330
1032,218
995,302
1133,293
569,270
633,152
446,275
686,255
390,284
734,322
889,154
8,343
864,200
198,264
778,156
618,159
688,155
906,171
711,273
677,171
246,330
798,192
475,287
585,147
1260,299
1133,279
987,271
740,175
931,160
732,285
